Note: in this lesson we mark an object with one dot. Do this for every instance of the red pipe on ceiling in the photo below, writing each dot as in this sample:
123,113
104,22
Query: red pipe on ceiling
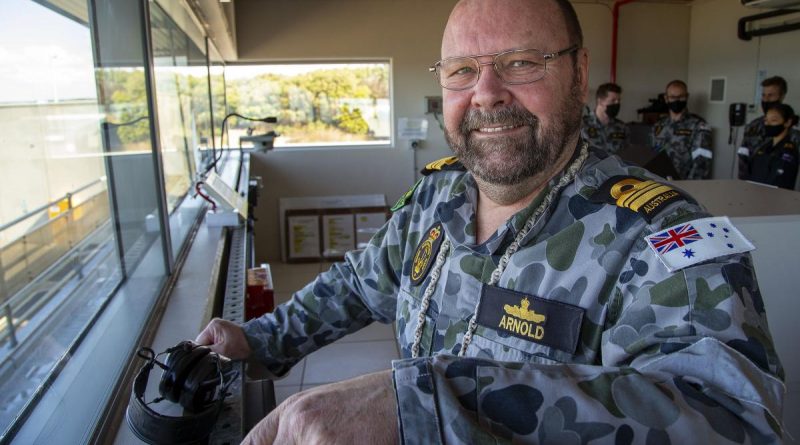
614,31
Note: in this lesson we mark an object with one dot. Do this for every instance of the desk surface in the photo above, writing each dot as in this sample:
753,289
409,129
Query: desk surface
732,197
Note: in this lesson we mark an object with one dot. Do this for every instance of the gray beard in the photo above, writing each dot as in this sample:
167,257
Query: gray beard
509,160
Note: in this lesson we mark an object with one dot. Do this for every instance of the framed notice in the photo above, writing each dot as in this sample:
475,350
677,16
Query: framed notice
338,235
303,237
367,225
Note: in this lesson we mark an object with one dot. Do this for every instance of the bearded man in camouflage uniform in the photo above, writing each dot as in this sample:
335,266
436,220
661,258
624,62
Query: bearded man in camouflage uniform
684,136
529,302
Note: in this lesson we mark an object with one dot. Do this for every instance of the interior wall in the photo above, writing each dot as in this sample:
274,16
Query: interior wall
409,33
653,50
716,51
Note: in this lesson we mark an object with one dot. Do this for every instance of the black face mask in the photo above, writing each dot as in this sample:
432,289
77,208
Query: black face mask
677,106
773,130
612,110
767,105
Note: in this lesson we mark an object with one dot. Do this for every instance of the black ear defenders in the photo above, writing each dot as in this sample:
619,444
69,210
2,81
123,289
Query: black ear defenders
193,377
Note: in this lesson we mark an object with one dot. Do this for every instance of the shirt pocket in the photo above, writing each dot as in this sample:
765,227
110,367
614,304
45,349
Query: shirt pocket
409,306
491,344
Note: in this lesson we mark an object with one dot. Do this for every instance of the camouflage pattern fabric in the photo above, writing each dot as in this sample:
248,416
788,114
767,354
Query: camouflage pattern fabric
773,164
661,357
753,139
754,135
687,142
609,138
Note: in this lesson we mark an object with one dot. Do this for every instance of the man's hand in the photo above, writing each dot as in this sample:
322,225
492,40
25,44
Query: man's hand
356,411
225,338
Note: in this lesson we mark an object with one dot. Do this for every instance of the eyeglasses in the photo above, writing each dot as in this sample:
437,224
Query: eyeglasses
514,67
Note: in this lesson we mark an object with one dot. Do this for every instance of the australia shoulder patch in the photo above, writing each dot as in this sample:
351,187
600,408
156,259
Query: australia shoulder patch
643,196
696,241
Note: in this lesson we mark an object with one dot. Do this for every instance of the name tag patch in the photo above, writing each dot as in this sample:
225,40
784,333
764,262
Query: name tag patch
546,322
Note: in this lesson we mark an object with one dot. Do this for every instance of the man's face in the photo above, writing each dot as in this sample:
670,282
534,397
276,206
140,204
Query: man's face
506,133
676,93
771,93
611,99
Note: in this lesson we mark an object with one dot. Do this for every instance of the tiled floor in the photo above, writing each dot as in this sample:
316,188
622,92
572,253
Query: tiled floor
368,350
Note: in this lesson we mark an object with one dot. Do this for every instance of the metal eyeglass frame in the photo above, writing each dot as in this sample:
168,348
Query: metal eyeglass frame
547,57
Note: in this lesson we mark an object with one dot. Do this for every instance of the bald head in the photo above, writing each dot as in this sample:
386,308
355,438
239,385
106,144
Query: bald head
533,18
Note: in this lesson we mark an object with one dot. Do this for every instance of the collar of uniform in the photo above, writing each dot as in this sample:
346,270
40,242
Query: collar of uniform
592,118
457,213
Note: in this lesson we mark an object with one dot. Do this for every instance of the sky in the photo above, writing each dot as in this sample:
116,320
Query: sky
44,57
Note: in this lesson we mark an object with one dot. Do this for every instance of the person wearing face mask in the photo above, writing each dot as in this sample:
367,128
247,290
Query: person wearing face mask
684,136
601,128
773,92
775,161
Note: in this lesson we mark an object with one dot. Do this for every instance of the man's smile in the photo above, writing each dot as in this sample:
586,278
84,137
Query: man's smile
499,129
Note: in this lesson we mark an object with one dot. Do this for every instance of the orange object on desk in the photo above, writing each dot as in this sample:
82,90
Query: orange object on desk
260,296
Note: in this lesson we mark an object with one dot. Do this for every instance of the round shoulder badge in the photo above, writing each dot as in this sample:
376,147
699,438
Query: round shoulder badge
426,251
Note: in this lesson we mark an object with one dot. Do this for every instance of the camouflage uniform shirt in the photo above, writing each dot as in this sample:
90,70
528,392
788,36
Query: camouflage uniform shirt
609,138
754,138
659,357
687,142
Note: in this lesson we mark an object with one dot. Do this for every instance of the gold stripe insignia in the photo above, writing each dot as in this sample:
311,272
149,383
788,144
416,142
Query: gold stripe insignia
643,196
448,163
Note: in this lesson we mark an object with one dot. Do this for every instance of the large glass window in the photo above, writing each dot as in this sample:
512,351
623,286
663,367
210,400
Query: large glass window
58,251
316,104
182,85
81,209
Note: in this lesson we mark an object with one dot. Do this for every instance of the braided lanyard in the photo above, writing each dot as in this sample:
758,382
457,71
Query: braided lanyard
568,177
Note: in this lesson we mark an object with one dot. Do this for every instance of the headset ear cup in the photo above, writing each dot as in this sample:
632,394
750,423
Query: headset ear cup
201,380
167,383
181,369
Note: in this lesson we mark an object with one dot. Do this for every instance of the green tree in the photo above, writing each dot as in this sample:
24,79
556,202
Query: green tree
352,121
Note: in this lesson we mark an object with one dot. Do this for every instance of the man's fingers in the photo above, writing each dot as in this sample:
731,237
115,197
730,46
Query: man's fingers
204,337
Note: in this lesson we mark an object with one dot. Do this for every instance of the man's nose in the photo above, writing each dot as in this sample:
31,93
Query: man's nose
490,92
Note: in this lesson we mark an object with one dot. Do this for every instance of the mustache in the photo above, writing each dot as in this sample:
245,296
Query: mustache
515,116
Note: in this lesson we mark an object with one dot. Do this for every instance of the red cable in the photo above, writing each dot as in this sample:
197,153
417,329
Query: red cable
204,196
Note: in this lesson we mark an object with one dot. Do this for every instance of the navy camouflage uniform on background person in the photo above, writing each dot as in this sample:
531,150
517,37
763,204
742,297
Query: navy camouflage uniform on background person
775,161
773,92
529,302
685,137
601,128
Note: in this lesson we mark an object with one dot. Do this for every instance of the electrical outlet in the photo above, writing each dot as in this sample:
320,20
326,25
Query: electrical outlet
433,104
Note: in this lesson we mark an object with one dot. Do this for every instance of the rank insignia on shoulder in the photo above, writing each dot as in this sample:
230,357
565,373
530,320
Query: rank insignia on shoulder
449,163
645,197
426,252
406,196
696,241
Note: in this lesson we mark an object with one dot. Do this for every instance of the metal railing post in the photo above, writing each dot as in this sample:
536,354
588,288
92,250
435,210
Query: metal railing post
12,334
